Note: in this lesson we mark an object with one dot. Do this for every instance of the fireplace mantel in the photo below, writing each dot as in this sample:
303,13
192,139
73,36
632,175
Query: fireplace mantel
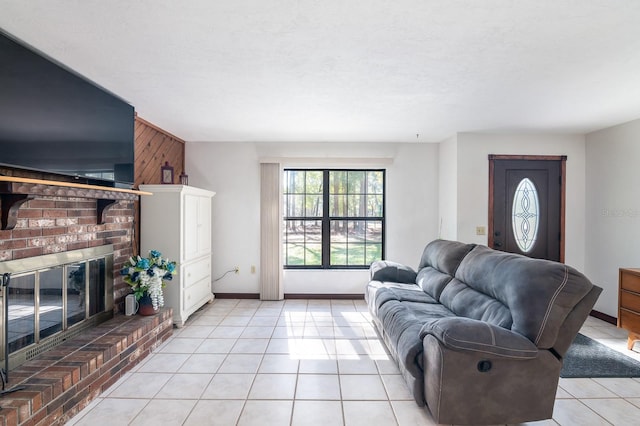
15,191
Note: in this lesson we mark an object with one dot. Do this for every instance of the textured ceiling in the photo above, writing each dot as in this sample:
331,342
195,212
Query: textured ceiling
349,70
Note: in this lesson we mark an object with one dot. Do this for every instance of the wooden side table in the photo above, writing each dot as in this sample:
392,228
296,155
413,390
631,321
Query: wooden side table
629,304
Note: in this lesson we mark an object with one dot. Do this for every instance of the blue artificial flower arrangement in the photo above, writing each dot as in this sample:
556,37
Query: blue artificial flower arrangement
147,276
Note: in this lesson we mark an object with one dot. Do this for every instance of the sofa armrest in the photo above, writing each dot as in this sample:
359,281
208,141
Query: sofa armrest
466,334
384,270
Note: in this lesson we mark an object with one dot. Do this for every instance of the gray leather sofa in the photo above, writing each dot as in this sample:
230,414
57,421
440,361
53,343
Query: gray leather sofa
479,335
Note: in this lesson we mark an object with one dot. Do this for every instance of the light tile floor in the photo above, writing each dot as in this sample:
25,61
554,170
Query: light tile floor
308,362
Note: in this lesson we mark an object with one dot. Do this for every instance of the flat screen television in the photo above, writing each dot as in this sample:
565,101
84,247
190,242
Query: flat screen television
54,120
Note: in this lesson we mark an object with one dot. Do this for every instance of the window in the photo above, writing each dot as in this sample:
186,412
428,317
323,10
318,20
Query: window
333,218
526,216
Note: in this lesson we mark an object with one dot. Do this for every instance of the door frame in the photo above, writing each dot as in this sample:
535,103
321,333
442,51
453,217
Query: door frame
563,174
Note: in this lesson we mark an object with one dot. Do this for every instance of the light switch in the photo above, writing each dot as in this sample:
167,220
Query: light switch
480,230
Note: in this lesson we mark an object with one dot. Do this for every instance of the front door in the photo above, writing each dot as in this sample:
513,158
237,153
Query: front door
526,205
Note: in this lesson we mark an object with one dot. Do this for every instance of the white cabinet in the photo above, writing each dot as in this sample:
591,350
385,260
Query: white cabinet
176,220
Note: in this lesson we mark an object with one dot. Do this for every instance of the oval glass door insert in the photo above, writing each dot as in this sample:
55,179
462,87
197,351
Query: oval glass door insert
526,215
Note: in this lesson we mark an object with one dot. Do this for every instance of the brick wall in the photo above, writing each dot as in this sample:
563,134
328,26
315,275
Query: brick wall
52,225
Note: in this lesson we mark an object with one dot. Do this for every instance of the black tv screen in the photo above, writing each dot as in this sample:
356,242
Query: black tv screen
54,120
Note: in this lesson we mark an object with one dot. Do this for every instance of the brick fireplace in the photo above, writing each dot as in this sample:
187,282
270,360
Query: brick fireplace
63,380
58,224
42,220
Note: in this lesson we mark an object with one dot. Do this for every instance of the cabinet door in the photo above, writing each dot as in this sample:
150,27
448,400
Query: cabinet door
197,225
190,235
204,225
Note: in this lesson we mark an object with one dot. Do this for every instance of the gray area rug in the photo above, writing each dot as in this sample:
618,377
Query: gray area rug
589,358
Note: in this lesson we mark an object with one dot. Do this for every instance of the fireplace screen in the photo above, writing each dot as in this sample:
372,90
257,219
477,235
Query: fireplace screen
50,298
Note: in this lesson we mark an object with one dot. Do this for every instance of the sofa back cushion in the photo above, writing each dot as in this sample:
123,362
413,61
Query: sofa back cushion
465,301
438,264
530,296
445,256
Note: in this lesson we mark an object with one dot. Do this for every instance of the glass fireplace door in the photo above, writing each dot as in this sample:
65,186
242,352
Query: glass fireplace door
49,302
21,302
51,298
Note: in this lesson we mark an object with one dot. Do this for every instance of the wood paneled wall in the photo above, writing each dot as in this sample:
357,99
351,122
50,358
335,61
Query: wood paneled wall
153,147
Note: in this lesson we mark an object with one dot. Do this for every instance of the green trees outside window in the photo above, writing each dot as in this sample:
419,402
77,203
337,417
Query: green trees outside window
333,218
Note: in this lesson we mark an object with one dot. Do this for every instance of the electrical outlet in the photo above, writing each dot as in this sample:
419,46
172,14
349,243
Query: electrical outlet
253,269
480,230
237,269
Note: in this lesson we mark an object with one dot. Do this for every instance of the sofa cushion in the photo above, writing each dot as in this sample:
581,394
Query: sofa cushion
402,322
374,286
402,294
539,294
445,256
465,301
432,281
385,270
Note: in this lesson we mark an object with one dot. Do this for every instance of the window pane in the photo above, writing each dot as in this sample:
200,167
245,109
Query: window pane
374,182
338,231
338,254
355,254
313,231
356,205
374,205
313,254
337,182
294,242
294,206
294,231
303,242
314,182
313,206
337,205
373,253
355,242
296,181
288,181
357,183
357,231
294,254
374,231
338,242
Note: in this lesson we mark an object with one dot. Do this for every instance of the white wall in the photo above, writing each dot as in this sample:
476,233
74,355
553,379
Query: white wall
232,170
612,208
430,182
448,189
473,187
